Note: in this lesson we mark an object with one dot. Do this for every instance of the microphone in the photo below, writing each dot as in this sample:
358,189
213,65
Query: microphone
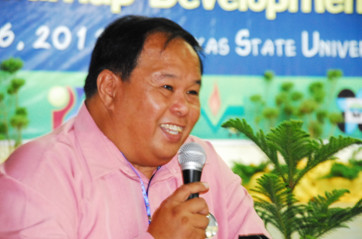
253,237
192,158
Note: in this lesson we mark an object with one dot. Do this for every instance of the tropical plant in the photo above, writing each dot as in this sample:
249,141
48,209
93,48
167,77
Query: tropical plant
285,147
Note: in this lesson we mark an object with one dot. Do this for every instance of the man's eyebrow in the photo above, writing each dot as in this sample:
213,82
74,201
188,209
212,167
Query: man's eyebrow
167,75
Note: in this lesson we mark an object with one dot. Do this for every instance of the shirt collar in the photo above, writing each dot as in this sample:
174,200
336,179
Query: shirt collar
100,153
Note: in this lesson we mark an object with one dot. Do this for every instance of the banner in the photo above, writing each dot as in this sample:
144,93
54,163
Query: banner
297,40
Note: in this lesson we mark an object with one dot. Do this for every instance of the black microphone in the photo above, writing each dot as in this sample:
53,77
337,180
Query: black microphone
253,237
192,158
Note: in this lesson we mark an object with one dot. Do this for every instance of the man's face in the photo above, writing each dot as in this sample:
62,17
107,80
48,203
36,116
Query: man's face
157,108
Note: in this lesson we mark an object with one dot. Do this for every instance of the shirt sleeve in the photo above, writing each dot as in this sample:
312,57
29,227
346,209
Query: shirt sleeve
144,235
234,204
243,219
26,214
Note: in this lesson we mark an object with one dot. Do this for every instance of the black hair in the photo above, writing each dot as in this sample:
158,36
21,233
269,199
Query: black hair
119,46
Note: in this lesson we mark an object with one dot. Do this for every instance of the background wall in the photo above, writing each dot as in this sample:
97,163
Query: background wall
298,40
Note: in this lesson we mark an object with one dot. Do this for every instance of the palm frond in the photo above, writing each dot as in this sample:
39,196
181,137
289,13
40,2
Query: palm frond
258,138
291,141
332,147
277,205
242,126
293,144
318,217
272,187
326,151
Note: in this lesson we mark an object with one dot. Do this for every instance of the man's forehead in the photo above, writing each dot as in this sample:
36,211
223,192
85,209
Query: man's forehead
164,39
159,46
161,39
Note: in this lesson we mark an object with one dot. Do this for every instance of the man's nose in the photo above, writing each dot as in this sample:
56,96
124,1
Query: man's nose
180,106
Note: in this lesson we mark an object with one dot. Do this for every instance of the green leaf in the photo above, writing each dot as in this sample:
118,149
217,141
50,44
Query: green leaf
268,76
278,210
326,151
287,86
318,217
247,171
344,171
11,65
293,144
259,138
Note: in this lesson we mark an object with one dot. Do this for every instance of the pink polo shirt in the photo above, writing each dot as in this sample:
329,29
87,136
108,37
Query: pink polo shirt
74,183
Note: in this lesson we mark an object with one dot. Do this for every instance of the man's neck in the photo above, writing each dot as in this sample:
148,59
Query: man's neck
146,171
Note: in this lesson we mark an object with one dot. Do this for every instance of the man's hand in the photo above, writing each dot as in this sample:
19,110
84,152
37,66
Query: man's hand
178,217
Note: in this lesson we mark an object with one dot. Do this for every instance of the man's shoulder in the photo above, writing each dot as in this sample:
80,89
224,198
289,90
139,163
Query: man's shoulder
46,151
205,144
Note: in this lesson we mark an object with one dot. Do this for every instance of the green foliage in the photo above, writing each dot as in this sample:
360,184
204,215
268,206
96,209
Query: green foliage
256,98
296,95
348,170
15,85
318,217
315,128
276,205
270,113
334,75
287,86
356,164
321,115
335,118
11,65
308,106
247,171
19,119
344,171
353,160
285,146
268,76
317,92
313,108
13,118
3,130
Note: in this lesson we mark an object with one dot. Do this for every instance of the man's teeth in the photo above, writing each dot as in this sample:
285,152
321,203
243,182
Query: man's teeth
171,128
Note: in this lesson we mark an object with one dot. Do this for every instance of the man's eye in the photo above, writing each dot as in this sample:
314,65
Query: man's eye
168,87
193,92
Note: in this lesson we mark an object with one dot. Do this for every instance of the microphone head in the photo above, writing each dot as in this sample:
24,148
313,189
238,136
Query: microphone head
192,156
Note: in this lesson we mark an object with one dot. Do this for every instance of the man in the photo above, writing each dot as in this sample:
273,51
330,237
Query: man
112,171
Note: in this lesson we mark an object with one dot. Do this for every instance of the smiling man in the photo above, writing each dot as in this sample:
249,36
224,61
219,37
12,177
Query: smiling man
155,107
112,171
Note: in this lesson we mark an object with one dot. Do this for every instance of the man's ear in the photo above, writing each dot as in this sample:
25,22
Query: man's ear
107,83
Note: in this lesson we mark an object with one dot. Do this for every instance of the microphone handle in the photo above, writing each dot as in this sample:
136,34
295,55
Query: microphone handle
253,237
190,176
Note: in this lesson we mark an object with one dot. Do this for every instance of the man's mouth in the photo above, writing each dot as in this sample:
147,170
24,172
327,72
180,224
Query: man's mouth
172,129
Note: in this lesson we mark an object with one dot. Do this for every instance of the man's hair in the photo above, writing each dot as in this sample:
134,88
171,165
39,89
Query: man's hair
121,43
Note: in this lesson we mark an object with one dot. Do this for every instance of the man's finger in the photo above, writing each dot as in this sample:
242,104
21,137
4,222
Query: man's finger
183,192
200,221
197,205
